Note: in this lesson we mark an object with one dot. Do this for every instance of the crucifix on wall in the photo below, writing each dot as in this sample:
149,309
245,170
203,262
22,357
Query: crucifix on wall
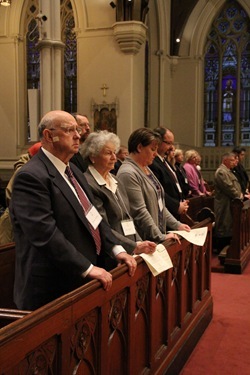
104,89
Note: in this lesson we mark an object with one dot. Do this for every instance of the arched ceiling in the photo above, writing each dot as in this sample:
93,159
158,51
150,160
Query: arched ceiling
180,12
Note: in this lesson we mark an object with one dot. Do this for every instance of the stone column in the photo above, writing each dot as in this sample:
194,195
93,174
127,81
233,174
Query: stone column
51,49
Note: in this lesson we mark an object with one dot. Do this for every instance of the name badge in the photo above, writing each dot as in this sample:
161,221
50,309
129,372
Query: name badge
93,217
178,187
160,204
128,227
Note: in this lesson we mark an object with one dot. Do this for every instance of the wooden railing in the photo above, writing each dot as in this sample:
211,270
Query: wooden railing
7,272
236,256
143,324
200,208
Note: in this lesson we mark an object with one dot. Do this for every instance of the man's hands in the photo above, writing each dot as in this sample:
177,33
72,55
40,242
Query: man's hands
147,247
183,207
102,275
105,277
184,227
124,257
173,236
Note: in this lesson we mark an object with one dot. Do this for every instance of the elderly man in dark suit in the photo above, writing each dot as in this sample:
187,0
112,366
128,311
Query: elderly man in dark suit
59,241
174,199
83,123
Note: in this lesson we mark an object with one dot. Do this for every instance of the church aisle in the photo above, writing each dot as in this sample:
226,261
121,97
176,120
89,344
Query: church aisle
224,346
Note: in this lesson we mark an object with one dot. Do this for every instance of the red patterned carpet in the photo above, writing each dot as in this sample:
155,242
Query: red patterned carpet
224,348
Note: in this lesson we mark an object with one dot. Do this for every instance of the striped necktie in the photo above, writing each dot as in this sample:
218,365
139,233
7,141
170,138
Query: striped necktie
86,206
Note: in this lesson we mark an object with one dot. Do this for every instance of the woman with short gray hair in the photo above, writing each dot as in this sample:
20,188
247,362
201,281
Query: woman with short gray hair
110,196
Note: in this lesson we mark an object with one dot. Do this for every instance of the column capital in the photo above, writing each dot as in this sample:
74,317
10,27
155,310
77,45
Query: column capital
130,35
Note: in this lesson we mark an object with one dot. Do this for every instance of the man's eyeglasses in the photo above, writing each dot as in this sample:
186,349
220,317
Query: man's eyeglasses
84,124
70,129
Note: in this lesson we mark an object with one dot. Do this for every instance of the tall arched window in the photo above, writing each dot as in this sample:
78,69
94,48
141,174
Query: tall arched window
32,53
69,59
227,79
70,53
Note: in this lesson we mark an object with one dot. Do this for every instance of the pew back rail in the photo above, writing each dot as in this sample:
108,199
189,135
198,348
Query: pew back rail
143,324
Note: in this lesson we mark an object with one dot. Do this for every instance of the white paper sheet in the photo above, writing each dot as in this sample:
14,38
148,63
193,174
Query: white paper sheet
196,236
159,261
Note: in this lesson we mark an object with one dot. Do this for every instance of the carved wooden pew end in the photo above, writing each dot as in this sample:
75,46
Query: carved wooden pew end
236,256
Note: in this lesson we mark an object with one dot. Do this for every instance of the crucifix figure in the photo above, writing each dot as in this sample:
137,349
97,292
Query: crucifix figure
104,88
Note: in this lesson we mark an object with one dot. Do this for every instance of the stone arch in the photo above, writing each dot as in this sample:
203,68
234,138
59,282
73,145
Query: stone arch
196,30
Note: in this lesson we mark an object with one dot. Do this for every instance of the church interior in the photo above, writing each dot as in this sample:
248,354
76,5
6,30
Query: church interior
127,64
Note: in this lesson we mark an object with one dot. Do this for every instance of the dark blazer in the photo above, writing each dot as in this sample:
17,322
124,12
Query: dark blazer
172,194
182,177
242,177
113,209
118,163
81,163
54,245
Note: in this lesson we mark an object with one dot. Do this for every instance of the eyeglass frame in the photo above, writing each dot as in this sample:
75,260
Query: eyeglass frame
69,130
168,143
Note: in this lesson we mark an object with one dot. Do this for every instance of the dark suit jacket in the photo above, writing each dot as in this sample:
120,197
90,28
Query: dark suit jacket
182,177
172,195
113,209
81,163
54,245
242,176
118,163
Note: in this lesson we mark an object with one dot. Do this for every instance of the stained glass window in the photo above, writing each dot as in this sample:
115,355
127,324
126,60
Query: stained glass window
32,53
227,79
33,56
70,53
69,59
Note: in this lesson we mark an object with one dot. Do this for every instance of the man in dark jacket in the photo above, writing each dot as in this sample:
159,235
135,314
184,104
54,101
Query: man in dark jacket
239,170
83,123
59,244
167,176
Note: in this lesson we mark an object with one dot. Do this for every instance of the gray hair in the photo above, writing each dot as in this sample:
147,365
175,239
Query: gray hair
45,123
228,155
95,142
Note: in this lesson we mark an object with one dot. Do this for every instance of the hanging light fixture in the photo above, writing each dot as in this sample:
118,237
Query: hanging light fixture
5,3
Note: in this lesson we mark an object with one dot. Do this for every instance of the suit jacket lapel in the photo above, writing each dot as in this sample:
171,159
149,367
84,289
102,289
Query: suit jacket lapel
62,185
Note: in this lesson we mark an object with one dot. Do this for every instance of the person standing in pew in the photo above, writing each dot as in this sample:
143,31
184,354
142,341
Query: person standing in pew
239,170
121,155
166,174
181,173
227,187
60,237
195,179
83,123
110,196
145,192
6,230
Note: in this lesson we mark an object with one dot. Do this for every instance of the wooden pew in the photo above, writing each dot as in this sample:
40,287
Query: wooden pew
143,324
200,208
8,316
7,271
236,256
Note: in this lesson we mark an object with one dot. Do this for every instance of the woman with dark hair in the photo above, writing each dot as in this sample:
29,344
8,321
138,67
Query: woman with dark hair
145,193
